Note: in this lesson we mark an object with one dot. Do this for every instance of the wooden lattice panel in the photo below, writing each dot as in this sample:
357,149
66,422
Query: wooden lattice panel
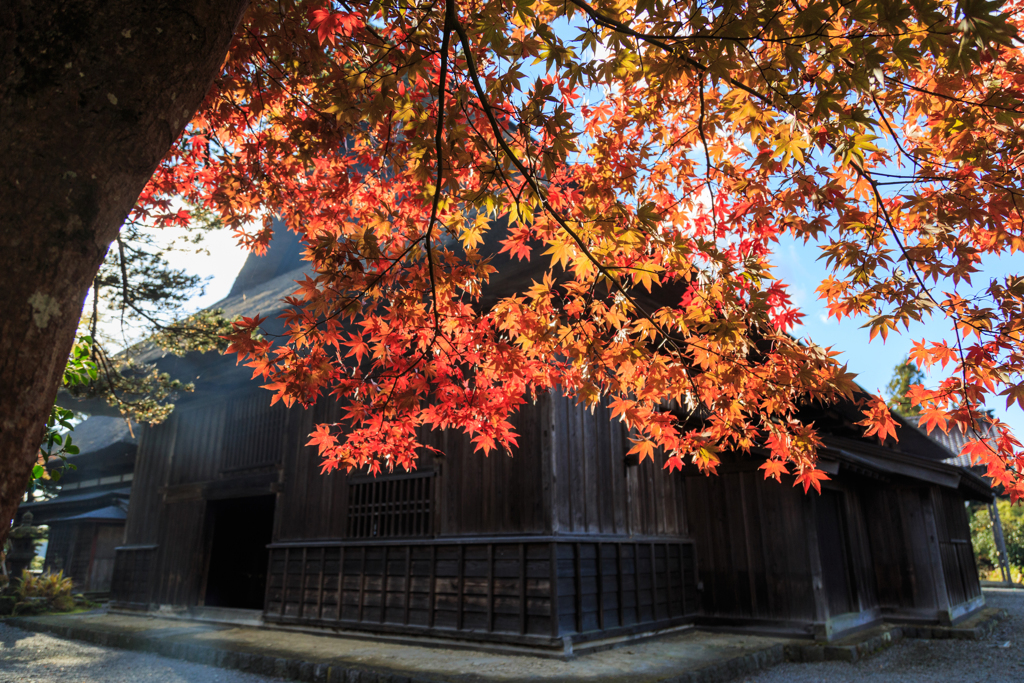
398,507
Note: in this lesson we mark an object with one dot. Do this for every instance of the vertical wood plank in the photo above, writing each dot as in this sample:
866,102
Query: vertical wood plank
284,581
462,585
433,583
490,587
341,577
929,503
320,584
590,457
302,585
270,577
620,600
384,585
821,611
654,584
362,582
578,578
636,581
553,574
600,586
668,579
522,588
408,581
549,466
578,475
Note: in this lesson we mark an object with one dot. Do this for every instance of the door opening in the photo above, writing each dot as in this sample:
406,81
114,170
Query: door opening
237,574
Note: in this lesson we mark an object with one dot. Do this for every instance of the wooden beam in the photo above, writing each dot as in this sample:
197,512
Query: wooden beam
553,592
284,582
928,507
408,581
522,589
320,584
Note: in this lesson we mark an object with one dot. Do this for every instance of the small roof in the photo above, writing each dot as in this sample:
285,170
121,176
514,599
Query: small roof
954,439
101,432
66,498
111,513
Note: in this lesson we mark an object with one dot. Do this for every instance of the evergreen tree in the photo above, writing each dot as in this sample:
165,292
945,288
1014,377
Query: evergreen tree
905,375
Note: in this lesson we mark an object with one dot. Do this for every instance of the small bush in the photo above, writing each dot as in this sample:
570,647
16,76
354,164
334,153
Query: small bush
45,593
1012,517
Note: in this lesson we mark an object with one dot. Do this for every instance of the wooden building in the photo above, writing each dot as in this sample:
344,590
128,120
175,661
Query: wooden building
567,543
87,516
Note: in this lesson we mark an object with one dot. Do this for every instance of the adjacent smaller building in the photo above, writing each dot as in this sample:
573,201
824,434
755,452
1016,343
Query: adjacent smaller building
87,517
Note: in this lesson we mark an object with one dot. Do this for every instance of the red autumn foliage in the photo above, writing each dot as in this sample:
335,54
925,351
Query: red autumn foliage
646,160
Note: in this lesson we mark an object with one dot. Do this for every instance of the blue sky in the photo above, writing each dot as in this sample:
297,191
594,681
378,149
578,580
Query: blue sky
797,264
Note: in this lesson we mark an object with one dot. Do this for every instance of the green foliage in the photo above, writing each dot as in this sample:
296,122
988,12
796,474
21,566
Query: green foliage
44,593
57,440
1012,518
982,539
905,375
1015,544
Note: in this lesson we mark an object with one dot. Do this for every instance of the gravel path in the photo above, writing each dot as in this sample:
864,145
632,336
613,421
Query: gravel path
996,659
37,658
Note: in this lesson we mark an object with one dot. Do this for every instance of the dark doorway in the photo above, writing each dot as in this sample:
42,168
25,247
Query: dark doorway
833,543
237,575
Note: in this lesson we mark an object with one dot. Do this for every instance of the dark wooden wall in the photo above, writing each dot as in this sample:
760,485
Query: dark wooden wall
752,547
595,490
528,592
497,494
845,561
959,568
207,449
920,541
470,494
904,573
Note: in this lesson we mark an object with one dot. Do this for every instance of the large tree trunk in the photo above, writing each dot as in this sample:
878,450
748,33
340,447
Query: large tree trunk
92,95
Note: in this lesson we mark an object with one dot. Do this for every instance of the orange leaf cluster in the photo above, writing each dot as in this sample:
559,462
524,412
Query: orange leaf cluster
656,154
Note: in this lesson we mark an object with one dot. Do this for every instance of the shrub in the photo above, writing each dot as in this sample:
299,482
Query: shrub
1012,517
44,593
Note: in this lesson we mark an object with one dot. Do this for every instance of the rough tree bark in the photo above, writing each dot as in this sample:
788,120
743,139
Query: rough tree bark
92,95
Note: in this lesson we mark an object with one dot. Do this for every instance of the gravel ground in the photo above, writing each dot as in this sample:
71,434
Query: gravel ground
998,658
37,658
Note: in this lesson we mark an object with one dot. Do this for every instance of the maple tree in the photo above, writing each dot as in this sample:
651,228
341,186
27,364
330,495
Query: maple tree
646,159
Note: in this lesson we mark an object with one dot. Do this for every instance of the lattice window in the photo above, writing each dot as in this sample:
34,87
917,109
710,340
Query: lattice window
396,507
